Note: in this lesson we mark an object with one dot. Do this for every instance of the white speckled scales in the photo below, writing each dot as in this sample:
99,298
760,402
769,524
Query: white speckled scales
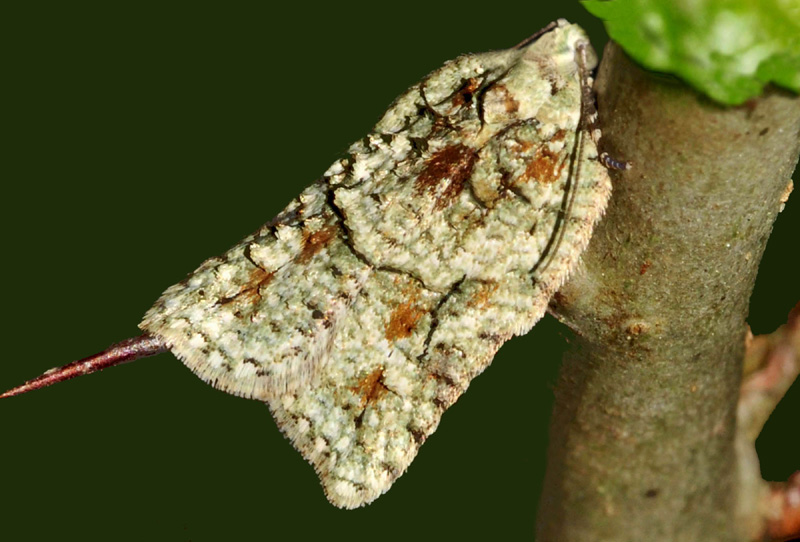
363,311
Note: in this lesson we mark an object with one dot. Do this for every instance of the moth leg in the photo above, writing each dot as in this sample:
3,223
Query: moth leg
613,163
589,119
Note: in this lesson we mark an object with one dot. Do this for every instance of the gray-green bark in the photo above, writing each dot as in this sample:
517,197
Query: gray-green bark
642,435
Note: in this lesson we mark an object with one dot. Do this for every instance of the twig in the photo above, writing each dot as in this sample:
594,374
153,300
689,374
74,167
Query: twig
783,520
769,511
777,358
117,354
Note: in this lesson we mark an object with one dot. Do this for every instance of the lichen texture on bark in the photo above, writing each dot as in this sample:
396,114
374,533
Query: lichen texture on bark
643,431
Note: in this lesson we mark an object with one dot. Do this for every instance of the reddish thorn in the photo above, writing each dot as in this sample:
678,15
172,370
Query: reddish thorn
117,354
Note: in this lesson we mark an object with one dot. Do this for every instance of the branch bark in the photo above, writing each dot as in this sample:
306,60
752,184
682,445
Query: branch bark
642,443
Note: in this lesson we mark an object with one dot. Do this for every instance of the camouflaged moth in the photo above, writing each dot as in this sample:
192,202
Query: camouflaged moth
364,310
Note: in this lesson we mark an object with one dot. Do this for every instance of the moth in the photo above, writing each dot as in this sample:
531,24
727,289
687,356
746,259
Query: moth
362,311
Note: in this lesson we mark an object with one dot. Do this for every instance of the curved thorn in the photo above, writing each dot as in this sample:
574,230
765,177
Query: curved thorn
117,354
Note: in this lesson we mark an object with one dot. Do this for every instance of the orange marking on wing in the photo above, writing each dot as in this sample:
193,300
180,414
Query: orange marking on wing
251,290
370,388
315,242
544,167
453,163
404,318
483,297
510,103
464,95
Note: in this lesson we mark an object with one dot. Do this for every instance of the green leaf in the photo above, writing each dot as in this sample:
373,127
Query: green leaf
727,49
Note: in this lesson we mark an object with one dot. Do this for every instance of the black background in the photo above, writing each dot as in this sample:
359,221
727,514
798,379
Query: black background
141,141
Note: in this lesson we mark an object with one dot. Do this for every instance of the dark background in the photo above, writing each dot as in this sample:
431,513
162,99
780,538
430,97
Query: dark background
143,141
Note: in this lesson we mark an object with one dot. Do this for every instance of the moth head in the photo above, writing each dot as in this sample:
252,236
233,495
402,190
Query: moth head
543,79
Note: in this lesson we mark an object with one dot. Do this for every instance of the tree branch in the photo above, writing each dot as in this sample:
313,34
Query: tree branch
783,506
771,365
643,430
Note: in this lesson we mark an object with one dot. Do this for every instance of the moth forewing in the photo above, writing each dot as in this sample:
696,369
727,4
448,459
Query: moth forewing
363,311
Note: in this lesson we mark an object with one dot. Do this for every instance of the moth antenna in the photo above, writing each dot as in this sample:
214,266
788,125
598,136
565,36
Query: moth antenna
530,39
116,354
